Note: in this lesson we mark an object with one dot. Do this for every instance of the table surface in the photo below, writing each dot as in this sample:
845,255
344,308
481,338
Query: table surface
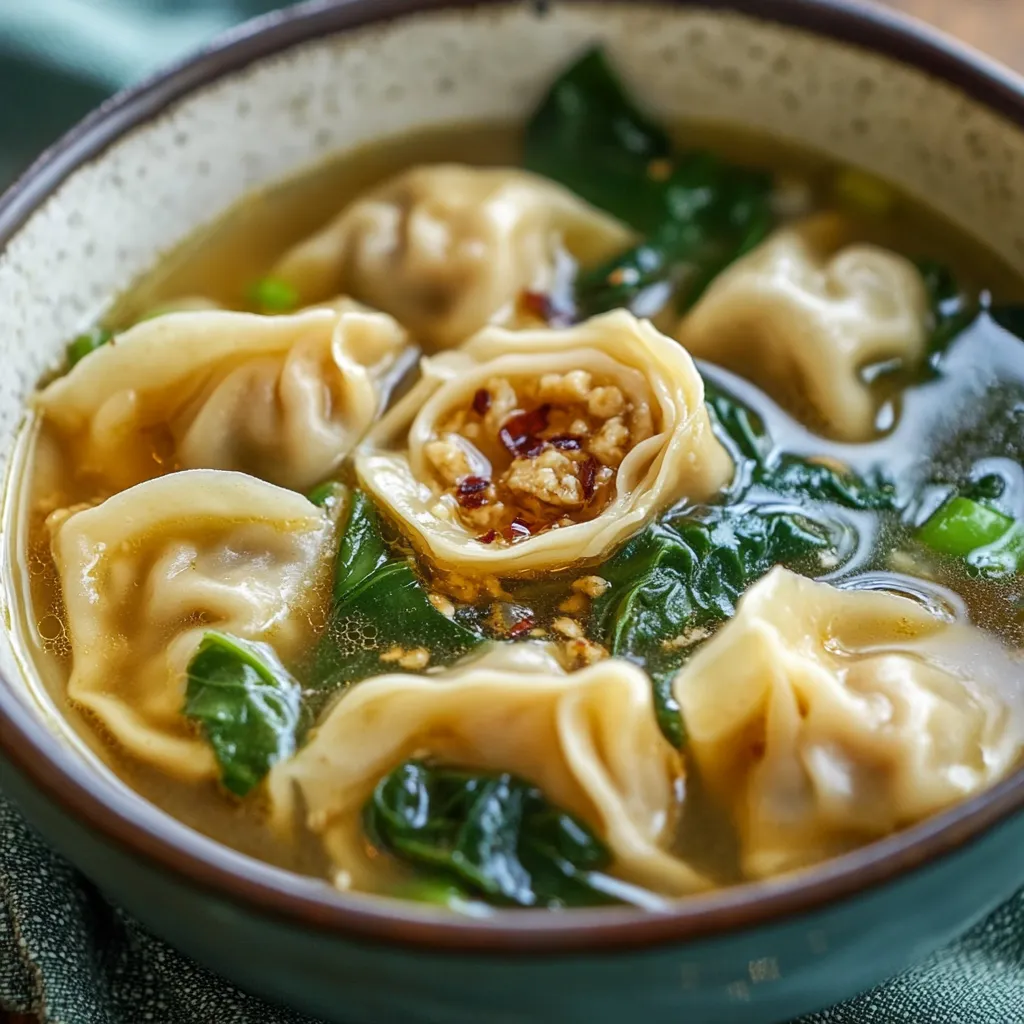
993,26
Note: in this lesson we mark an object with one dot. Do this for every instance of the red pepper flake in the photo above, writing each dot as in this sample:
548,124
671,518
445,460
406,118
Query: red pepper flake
588,472
473,484
469,492
481,402
489,537
524,625
519,432
548,308
536,303
566,442
518,529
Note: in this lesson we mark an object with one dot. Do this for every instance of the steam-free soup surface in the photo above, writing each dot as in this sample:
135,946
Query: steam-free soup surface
533,623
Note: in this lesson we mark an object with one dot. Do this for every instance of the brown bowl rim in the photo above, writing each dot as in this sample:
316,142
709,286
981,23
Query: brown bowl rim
127,821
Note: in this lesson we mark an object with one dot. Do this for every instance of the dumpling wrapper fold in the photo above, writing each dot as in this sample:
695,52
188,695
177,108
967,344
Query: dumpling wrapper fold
803,313
589,741
284,398
824,718
146,573
447,249
683,458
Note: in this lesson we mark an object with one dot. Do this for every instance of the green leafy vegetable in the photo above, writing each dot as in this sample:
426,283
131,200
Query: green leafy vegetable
87,343
679,578
952,309
1010,318
271,295
494,835
361,550
745,435
710,215
740,428
379,605
697,214
991,542
589,135
248,705
797,477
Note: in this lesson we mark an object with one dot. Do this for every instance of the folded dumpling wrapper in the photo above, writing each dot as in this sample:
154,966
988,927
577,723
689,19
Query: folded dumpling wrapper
659,396
447,249
803,313
147,572
588,740
825,717
283,398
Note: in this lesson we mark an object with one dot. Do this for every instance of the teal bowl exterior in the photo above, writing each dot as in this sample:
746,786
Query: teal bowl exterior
759,975
752,955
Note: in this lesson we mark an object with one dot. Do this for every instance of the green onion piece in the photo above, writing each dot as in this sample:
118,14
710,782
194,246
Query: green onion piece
325,495
272,295
87,343
862,193
1003,558
961,526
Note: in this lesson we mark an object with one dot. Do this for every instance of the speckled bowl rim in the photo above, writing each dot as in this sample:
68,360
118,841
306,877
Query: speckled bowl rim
55,771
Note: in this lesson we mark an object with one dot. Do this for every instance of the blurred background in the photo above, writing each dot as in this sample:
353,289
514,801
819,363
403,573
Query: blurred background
61,58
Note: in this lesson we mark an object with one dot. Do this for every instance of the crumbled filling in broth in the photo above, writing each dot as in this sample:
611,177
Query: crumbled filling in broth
527,456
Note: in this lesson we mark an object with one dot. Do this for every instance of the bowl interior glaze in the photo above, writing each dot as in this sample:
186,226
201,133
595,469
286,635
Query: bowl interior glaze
186,148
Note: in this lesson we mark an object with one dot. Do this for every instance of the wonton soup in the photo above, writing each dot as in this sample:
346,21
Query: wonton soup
597,513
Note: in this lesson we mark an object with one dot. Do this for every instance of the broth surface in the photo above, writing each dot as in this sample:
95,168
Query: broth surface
968,419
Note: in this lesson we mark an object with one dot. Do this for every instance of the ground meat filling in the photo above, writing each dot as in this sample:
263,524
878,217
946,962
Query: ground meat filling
535,455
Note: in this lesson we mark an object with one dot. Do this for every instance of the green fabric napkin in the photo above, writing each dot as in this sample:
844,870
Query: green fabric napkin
64,951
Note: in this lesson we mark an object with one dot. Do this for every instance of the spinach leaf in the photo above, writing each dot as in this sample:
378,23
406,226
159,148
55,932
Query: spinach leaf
380,605
1010,318
798,477
589,135
361,549
697,214
679,578
757,462
710,214
738,427
248,705
493,834
952,309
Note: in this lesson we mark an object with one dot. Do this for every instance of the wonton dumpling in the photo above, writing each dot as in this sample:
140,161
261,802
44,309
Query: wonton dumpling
582,434
148,571
448,249
824,718
804,312
283,398
588,740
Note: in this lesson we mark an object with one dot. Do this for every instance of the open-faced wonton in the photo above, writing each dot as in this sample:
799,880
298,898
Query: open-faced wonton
826,717
589,741
146,573
802,315
530,450
447,249
283,398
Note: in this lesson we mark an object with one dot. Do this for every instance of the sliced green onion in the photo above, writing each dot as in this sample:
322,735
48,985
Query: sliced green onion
325,495
961,526
1003,558
87,343
863,193
272,295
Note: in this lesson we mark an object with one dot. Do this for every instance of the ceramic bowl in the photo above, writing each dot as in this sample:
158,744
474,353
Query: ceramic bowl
158,162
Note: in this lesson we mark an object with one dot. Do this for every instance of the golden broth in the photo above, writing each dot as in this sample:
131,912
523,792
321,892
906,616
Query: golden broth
224,258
